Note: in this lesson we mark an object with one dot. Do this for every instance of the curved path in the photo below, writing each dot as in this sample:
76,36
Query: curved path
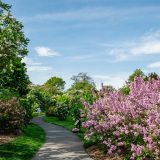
60,144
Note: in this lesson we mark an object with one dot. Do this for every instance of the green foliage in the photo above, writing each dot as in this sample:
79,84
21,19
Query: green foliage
78,91
15,79
54,86
6,94
51,111
23,147
13,47
13,43
61,111
11,115
62,99
125,90
40,99
136,73
68,123
25,103
151,75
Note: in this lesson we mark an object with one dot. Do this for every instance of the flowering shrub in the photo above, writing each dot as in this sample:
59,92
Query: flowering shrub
11,115
75,130
61,111
127,124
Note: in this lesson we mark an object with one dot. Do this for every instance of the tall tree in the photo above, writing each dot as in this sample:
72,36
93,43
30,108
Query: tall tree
13,47
13,43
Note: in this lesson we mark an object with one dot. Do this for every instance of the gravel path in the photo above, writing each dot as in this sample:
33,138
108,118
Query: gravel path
60,144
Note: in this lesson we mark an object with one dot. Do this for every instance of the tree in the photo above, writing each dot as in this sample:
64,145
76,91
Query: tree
16,79
54,85
13,42
81,77
136,73
81,89
13,47
109,88
125,90
151,75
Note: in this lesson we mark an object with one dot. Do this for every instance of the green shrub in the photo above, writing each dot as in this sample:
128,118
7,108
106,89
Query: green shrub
125,90
62,99
61,111
26,105
40,99
6,94
11,115
75,110
51,111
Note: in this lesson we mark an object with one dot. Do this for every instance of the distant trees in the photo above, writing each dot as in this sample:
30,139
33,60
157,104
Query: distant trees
137,73
54,85
81,89
82,82
82,77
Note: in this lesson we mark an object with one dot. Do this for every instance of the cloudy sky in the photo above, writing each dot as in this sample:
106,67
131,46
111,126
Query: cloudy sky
108,39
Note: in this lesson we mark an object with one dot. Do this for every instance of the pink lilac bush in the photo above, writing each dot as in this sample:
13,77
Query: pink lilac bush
129,124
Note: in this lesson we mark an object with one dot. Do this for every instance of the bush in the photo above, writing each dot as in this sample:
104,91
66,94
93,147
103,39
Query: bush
62,99
40,99
125,90
128,125
51,111
26,105
75,107
11,115
6,94
61,111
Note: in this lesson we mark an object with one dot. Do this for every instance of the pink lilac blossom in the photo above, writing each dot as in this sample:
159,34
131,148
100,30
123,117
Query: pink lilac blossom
114,116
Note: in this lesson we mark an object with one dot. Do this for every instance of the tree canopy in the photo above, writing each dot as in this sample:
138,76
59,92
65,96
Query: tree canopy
54,85
136,73
13,47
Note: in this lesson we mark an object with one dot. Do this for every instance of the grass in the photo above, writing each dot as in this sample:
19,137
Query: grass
69,124
23,147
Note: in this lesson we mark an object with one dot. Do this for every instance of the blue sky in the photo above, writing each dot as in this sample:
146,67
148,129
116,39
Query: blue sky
108,39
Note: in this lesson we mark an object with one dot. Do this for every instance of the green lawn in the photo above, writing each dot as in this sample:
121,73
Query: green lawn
69,124
25,146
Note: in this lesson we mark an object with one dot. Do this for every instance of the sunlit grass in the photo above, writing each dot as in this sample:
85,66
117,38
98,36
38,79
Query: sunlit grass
23,147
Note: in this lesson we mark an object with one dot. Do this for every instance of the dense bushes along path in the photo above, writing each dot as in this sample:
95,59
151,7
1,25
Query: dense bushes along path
60,144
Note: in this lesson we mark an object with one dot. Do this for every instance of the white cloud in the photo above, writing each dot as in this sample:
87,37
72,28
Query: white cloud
29,61
46,52
154,65
149,47
146,45
82,57
38,68
33,66
116,81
